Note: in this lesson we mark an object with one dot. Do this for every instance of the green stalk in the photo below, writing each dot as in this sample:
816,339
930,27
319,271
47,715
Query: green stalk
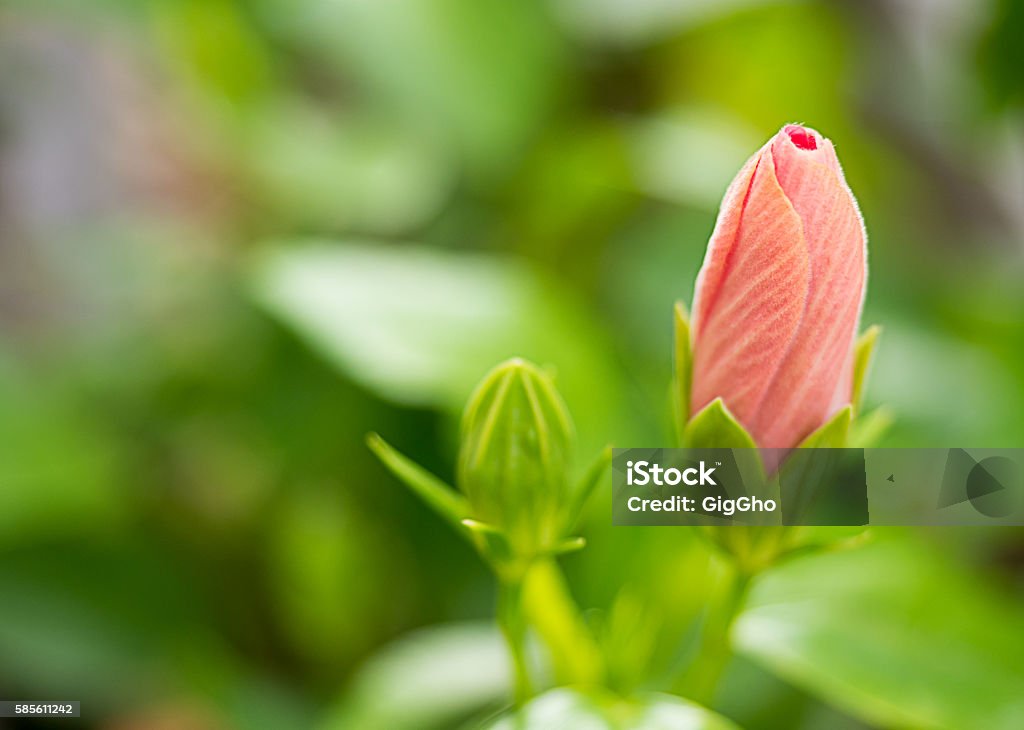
551,610
513,625
701,679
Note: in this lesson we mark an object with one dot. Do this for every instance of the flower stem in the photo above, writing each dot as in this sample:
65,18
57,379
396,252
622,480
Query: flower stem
551,610
513,625
701,679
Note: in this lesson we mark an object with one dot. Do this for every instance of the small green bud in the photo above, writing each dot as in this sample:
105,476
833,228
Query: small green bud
513,461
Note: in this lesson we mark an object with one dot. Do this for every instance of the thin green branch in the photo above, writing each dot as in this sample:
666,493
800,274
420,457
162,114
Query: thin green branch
513,626
700,680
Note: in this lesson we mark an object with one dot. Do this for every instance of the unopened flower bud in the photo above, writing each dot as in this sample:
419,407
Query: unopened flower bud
513,460
778,298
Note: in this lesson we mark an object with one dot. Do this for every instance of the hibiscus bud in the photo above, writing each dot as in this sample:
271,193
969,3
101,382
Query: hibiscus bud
778,298
513,461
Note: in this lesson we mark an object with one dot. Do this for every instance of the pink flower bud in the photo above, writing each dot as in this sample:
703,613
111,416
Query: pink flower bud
778,298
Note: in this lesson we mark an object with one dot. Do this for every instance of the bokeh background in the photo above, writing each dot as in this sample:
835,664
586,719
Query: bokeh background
236,236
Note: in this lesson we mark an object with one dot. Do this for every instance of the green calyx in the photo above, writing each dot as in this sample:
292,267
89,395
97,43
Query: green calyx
515,502
753,548
715,427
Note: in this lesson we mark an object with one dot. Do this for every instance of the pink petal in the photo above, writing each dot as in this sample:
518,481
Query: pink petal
723,238
801,393
751,293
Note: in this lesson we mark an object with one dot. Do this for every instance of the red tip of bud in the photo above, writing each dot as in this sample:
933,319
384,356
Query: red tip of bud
802,138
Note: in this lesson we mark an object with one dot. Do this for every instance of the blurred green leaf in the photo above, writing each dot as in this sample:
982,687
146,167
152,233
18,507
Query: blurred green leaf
892,633
327,169
566,708
433,678
480,75
421,327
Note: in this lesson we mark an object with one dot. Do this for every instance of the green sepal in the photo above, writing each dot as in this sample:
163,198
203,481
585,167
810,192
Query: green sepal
493,544
862,358
868,429
816,539
810,539
833,435
566,546
715,428
490,541
683,378
440,497
585,488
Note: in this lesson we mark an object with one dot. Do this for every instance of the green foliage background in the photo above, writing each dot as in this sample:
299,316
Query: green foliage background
237,236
